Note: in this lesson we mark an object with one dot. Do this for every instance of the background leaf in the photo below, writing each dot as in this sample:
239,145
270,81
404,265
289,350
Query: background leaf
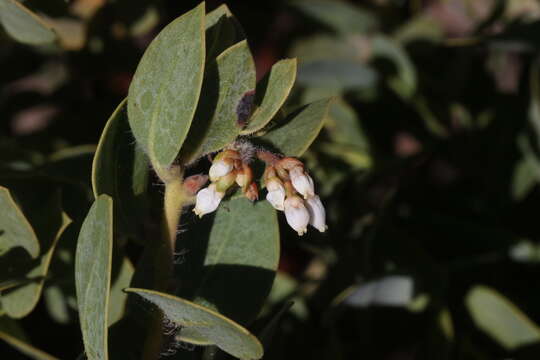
23,25
165,89
14,228
501,319
13,334
226,334
93,263
19,301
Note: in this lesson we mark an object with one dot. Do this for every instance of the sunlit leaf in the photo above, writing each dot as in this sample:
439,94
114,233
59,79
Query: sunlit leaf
166,86
93,262
221,331
271,93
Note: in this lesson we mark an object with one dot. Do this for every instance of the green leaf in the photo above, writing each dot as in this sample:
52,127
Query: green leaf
15,230
20,301
120,170
93,263
294,137
225,254
228,98
404,82
338,15
23,25
166,87
118,297
13,334
223,332
271,93
336,74
222,31
501,319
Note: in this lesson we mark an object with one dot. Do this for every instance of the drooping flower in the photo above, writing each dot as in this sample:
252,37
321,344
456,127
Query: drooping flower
317,213
276,193
208,200
220,168
302,182
296,213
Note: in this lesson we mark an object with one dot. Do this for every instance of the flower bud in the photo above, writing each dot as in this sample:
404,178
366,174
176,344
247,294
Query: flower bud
317,214
302,182
220,168
252,192
276,193
208,200
296,213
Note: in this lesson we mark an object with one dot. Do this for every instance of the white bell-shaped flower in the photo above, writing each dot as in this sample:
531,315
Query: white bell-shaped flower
208,200
296,213
219,168
276,193
302,182
317,214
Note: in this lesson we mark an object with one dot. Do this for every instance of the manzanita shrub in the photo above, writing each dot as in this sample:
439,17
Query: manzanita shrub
193,104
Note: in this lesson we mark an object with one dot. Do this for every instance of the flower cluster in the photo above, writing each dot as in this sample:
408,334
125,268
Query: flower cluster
227,169
284,180
290,188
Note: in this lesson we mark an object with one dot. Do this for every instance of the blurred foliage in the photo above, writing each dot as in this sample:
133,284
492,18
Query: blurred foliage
428,164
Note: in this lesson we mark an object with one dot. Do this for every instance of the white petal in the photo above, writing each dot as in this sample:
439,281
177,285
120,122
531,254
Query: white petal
317,214
218,169
276,198
296,213
208,200
302,182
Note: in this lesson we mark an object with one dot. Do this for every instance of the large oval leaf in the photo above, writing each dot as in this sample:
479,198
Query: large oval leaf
225,333
23,25
93,261
166,87
120,170
501,319
228,89
272,91
235,250
14,227
295,136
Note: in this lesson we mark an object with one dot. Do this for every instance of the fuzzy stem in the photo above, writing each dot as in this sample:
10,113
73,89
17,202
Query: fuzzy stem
163,249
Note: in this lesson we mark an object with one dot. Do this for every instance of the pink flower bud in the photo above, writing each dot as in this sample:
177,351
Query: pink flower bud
296,213
302,182
317,214
208,200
